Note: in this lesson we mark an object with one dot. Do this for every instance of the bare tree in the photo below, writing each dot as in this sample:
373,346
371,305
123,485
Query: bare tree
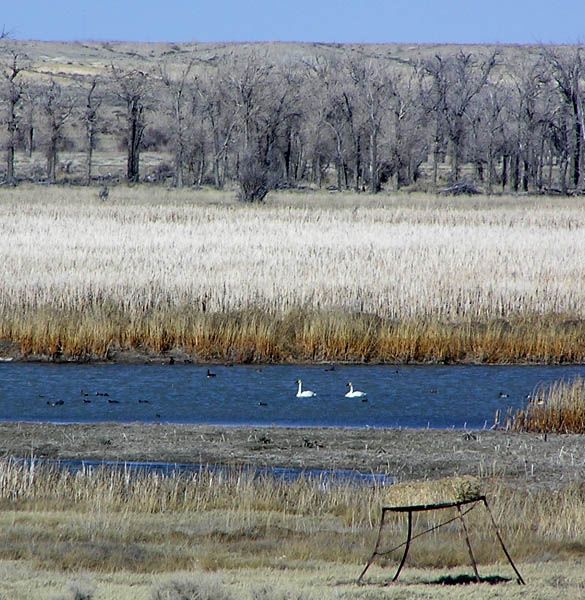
455,81
221,113
31,101
329,74
489,133
372,86
345,119
407,143
567,69
57,106
132,89
525,137
262,97
178,96
13,90
318,139
90,119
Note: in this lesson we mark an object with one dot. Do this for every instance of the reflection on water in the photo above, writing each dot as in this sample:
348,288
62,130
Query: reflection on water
404,396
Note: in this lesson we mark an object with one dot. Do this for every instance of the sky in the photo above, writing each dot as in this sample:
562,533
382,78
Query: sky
329,21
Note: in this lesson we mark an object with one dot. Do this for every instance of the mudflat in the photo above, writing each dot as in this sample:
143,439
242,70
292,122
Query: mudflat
530,460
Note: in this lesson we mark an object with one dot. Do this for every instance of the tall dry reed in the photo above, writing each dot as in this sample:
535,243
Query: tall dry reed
302,277
555,408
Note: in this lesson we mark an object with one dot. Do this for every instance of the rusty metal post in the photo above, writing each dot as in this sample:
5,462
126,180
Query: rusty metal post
375,552
406,547
468,542
518,576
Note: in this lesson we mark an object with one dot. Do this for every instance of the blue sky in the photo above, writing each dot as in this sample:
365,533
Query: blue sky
433,21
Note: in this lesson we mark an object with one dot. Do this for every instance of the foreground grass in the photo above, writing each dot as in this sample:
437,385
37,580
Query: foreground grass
304,277
308,581
129,533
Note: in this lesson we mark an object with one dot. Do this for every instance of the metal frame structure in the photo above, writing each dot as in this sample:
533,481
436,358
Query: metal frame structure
468,504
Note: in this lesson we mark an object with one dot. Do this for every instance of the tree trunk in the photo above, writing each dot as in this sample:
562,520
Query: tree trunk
90,140
515,172
526,175
319,172
30,136
577,149
504,172
10,179
89,165
436,163
135,132
551,160
374,186
357,164
563,167
12,125
52,162
455,159
491,169
178,178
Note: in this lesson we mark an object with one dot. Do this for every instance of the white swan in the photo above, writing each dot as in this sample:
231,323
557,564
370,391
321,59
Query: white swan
352,393
305,393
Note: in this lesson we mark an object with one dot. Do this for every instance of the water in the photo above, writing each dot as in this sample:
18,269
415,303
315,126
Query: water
404,396
165,469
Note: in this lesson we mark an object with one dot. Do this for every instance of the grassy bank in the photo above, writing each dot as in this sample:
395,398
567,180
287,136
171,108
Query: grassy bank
303,277
111,524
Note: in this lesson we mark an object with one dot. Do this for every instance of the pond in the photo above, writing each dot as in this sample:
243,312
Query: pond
438,396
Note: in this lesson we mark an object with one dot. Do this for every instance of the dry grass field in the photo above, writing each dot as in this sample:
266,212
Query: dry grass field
311,276
112,535
315,581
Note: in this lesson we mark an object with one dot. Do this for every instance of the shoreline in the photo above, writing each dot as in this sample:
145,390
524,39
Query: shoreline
532,461
178,358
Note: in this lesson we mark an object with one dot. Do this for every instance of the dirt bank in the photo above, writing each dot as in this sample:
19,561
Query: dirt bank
529,459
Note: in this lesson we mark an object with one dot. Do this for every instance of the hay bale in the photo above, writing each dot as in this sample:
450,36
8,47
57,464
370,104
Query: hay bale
448,489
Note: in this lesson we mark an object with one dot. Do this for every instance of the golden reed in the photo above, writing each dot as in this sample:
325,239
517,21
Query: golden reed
253,336
555,408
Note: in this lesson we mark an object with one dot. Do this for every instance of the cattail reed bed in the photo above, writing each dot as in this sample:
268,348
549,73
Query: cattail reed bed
302,277
556,408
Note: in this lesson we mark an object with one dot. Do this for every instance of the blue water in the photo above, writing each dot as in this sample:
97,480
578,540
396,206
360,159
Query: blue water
403,396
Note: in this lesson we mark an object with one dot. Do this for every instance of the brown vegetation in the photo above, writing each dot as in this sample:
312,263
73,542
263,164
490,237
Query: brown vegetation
101,519
556,408
396,279
126,535
251,336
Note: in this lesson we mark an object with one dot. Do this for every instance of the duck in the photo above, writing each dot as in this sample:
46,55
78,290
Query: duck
354,393
210,374
304,393
56,403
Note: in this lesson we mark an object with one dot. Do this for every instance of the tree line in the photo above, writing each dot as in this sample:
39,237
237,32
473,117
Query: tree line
346,120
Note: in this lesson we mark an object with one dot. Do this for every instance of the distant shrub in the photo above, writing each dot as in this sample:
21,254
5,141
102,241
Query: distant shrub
253,179
191,589
269,593
78,590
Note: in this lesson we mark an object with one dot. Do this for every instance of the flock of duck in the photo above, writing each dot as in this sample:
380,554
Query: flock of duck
301,393
350,394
